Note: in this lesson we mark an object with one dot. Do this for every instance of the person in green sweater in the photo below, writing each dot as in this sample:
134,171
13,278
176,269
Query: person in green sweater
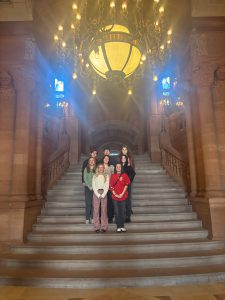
88,175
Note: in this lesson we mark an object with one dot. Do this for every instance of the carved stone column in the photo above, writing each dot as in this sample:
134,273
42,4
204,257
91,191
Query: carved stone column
154,127
210,194
7,119
73,127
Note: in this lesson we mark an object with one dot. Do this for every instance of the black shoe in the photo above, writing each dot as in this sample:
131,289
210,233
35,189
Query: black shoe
103,230
127,220
97,231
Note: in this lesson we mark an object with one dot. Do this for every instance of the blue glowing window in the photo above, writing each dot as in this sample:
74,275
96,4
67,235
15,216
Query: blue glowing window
166,94
166,83
59,85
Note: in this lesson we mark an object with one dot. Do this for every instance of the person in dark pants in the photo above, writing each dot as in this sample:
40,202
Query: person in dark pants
118,185
109,170
128,169
88,175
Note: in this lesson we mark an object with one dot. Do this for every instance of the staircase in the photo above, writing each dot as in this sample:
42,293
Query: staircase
165,243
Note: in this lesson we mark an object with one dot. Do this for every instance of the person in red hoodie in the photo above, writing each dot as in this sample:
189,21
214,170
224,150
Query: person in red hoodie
118,186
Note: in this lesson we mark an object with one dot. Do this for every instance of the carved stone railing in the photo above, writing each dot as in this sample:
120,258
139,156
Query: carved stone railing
57,165
176,167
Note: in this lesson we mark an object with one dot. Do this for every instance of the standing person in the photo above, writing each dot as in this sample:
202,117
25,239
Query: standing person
100,184
124,151
109,170
118,185
106,152
93,154
88,175
128,169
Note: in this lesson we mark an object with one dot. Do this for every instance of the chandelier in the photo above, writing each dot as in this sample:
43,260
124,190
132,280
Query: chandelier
113,39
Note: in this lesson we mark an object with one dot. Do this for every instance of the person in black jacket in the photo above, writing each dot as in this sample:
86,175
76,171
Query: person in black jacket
129,170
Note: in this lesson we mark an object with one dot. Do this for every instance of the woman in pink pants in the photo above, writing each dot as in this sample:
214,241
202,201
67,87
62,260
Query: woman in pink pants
100,185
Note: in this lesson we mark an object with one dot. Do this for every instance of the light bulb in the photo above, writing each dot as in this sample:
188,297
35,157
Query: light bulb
129,92
169,32
112,4
124,5
74,75
72,26
155,78
161,9
64,44
60,28
74,6
162,47
94,92
143,57
56,38
78,17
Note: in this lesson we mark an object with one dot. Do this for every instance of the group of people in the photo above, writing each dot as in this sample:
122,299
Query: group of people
108,184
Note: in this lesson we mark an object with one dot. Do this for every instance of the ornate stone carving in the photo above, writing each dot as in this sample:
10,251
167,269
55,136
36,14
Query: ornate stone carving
30,48
198,44
220,73
6,85
24,78
203,75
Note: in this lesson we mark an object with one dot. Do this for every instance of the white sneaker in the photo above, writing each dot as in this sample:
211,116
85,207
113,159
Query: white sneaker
118,230
87,222
123,229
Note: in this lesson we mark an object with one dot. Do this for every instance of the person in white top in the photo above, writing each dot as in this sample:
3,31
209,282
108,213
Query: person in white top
100,185
109,169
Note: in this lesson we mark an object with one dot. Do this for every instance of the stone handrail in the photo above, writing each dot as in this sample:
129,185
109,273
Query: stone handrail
176,167
57,165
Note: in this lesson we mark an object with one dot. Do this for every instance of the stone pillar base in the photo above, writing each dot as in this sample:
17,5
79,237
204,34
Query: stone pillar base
211,211
17,218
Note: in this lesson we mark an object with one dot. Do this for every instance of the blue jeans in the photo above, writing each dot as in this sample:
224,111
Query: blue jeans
119,210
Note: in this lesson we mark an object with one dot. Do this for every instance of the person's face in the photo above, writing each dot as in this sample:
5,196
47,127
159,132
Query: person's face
91,162
118,168
106,152
106,160
101,169
124,150
94,154
123,159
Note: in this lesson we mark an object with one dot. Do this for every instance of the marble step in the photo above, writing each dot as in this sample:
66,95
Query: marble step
122,249
135,203
117,238
164,217
118,264
111,278
140,210
137,227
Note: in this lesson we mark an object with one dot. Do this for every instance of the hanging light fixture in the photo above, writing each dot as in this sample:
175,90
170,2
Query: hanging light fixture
117,39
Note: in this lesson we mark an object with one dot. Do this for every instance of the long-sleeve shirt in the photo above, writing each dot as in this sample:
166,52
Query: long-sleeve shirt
88,178
100,182
117,184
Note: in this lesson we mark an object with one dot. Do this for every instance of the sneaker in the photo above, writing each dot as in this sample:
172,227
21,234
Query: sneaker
87,222
103,230
118,230
123,229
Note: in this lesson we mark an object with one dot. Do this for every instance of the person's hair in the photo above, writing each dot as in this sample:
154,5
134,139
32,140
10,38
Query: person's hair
88,165
92,150
104,158
126,162
128,152
118,163
106,148
97,171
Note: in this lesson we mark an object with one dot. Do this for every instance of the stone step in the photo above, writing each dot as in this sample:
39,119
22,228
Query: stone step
135,203
119,264
111,278
135,218
143,210
137,227
117,238
122,249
